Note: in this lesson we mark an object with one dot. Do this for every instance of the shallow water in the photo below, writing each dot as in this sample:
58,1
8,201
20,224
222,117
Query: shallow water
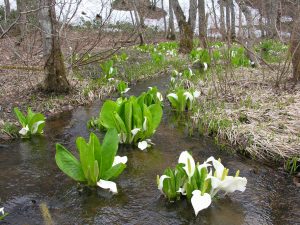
29,177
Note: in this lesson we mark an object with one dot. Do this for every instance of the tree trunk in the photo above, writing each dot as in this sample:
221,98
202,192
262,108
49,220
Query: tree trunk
138,24
7,8
222,20
193,14
232,11
54,68
21,6
228,27
171,29
250,23
165,20
202,22
185,29
240,34
215,14
295,49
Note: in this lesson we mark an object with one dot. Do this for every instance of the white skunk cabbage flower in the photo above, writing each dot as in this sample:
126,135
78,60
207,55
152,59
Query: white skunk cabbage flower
36,125
145,123
189,163
125,91
24,130
173,95
220,180
182,191
142,145
135,131
105,184
188,95
159,96
196,94
191,72
2,211
161,182
111,70
120,159
199,201
205,66
172,79
122,137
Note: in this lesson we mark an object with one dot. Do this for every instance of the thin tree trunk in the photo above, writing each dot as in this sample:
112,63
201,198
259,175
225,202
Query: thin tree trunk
171,29
7,9
295,49
202,22
165,20
250,23
21,5
54,68
185,29
138,23
132,19
240,34
222,20
215,14
193,14
228,27
232,11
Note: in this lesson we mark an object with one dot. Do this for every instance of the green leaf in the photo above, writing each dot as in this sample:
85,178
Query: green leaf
156,111
22,119
113,172
106,114
87,158
68,163
95,144
34,123
109,149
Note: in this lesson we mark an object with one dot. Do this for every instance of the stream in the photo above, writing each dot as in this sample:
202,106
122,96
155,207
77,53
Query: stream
29,176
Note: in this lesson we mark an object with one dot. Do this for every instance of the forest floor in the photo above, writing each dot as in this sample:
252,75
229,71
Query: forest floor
250,114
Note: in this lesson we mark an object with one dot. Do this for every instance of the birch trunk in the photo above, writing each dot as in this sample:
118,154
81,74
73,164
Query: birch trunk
232,12
193,14
202,22
7,8
222,20
54,68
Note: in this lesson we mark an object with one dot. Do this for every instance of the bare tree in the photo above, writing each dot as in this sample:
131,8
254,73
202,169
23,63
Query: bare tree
232,12
55,72
193,14
202,22
251,36
7,8
21,6
171,28
185,29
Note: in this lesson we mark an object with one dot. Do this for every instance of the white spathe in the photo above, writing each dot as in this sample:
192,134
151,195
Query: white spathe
161,182
36,125
173,95
182,191
135,131
145,123
142,145
188,95
159,96
205,66
120,159
125,91
217,165
196,94
105,184
24,130
199,201
189,163
2,210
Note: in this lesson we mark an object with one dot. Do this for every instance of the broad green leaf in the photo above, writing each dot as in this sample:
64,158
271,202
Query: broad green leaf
106,114
119,123
113,172
173,101
95,144
68,163
156,111
87,158
22,119
109,149
34,123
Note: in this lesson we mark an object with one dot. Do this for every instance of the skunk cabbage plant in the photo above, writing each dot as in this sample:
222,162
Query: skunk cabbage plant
97,164
32,124
2,213
122,87
108,69
152,96
134,120
183,99
199,183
